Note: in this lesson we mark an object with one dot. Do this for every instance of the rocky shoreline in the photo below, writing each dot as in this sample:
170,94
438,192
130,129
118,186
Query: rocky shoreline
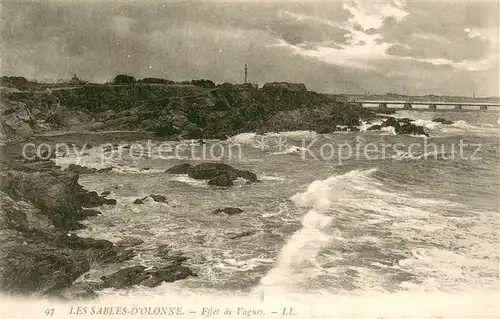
176,112
41,206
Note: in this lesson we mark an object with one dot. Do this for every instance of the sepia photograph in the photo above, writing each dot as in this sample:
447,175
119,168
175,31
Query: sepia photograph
249,159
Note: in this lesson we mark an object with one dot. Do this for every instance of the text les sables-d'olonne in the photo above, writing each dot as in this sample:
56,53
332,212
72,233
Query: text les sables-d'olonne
175,311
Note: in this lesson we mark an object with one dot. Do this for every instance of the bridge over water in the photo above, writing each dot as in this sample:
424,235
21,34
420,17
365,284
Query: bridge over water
432,105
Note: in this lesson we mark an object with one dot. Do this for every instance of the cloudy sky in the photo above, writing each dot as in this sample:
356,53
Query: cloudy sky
407,47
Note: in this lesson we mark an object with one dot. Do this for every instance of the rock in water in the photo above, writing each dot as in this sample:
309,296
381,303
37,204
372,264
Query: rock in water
179,169
136,275
166,253
390,122
168,273
129,242
403,126
442,120
138,201
229,211
411,129
159,198
210,171
221,180
374,128
92,199
124,278
154,197
405,120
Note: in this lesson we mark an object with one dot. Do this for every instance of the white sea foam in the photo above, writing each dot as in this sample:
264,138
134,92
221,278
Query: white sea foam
365,126
445,254
291,150
295,134
243,138
270,140
462,124
305,244
136,170
426,123
270,178
389,130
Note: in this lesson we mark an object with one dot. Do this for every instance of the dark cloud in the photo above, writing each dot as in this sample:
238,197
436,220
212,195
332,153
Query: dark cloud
185,40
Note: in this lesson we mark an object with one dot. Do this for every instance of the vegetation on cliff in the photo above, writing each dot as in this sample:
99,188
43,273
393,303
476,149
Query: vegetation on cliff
195,110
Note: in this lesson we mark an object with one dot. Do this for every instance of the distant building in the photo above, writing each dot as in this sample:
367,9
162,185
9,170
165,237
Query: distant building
298,87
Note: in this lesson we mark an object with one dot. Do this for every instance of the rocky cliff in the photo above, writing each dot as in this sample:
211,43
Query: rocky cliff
40,205
177,111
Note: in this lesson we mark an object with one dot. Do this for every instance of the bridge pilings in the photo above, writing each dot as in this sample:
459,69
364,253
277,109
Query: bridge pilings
458,107
382,106
432,107
483,107
407,106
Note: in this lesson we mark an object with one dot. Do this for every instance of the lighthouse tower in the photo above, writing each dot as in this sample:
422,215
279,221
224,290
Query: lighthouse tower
246,73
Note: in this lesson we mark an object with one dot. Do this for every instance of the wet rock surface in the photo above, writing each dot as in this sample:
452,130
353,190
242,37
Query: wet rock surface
219,174
228,211
41,205
401,126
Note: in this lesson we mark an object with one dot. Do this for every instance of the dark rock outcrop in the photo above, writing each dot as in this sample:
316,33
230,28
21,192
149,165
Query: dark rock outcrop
124,278
159,198
219,174
228,210
138,201
442,120
39,204
223,180
391,121
166,253
411,129
374,128
155,197
27,268
92,199
138,275
403,126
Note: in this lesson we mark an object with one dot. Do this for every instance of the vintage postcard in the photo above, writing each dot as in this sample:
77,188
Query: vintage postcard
249,159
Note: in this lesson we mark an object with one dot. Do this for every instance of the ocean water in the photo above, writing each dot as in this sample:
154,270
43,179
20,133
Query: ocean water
393,232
